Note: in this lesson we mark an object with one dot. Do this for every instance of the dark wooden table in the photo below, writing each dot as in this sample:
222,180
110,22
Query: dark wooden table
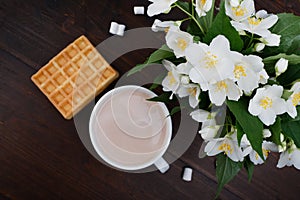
41,155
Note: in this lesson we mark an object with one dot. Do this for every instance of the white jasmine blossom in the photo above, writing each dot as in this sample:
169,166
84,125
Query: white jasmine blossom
258,24
246,71
267,147
233,3
172,81
294,100
267,104
205,117
163,26
184,68
281,66
290,157
240,11
271,40
226,88
209,132
191,90
263,77
228,145
211,63
178,41
203,6
159,6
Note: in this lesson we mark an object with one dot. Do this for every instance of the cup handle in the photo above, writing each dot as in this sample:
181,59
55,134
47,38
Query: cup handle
162,165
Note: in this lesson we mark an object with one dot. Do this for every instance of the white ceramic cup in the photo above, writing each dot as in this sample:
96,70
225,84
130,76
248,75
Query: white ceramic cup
122,155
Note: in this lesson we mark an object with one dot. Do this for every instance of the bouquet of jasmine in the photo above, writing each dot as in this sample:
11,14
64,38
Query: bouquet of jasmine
246,59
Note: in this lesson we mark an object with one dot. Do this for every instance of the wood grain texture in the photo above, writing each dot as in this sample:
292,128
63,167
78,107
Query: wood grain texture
41,155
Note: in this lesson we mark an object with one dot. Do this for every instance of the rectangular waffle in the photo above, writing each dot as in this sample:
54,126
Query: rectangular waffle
74,77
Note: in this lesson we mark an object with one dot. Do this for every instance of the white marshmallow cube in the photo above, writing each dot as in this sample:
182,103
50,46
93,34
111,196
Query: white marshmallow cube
187,174
113,28
121,29
162,165
139,10
117,29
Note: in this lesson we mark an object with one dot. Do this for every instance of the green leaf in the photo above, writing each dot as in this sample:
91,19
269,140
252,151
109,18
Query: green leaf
291,127
295,46
156,57
290,75
160,54
222,26
157,81
194,29
271,61
226,170
184,5
288,26
175,110
293,58
137,68
276,130
249,166
164,97
251,125
240,132
286,94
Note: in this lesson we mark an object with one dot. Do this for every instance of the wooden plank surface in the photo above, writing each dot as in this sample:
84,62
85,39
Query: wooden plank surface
41,155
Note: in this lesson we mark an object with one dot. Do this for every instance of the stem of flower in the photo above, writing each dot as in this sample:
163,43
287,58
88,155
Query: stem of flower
193,8
251,40
211,17
192,17
188,18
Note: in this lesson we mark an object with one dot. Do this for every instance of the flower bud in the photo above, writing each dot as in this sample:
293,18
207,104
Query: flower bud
242,32
259,47
281,66
185,80
282,147
267,133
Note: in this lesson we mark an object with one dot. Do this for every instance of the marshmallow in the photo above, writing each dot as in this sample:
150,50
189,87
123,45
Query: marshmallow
117,29
121,29
139,10
162,165
113,28
187,174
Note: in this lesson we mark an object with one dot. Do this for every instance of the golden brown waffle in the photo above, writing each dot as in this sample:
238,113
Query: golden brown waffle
74,77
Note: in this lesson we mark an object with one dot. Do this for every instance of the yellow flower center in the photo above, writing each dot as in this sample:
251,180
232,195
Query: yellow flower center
192,91
172,80
167,29
296,99
221,85
202,3
254,21
181,44
226,148
266,103
265,152
239,71
239,11
210,60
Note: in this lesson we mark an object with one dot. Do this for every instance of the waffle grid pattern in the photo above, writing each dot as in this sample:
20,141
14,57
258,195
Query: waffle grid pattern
73,77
